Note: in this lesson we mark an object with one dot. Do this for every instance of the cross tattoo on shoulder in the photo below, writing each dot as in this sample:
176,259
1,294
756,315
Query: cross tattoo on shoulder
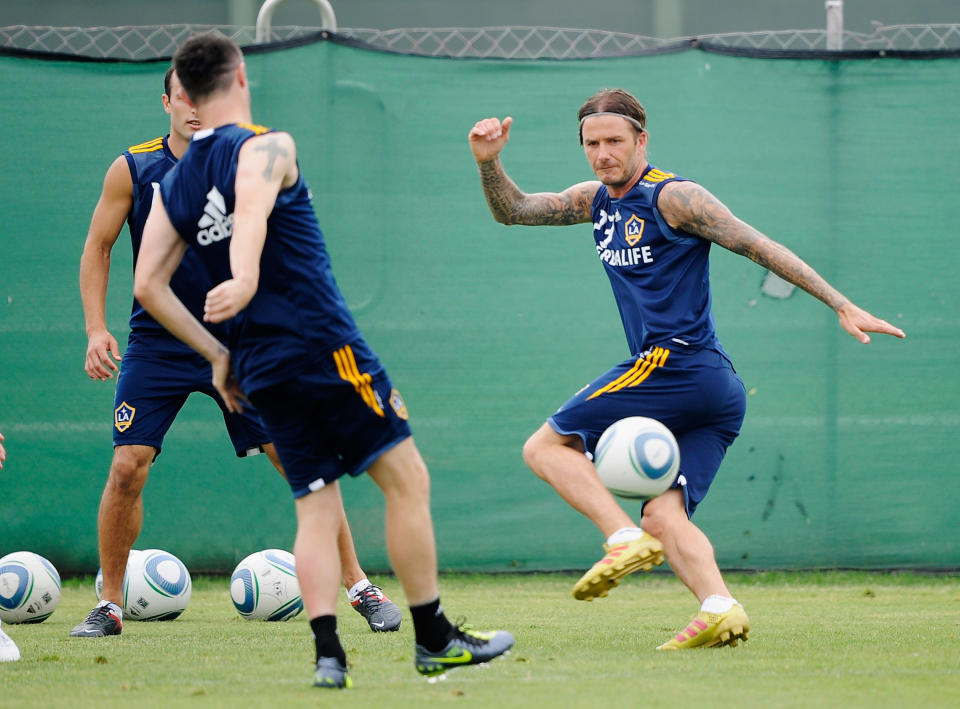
273,150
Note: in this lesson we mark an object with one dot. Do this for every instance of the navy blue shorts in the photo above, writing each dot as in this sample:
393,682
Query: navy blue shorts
697,395
152,389
335,418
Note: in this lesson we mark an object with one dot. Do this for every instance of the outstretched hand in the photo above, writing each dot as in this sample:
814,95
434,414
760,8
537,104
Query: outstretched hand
487,137
858,322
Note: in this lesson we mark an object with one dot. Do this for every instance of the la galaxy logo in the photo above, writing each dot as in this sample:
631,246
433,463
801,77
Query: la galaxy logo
123,416
400,408
633,230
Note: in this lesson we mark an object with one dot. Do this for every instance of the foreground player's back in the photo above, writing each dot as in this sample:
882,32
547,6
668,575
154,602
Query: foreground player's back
298,312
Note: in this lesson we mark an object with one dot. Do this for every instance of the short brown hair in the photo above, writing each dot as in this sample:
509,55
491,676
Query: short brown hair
205,63
166,81
616,101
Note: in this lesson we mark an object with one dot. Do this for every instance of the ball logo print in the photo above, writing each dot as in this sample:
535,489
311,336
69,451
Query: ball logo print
166,574
244,590
264,586
29,588
637,457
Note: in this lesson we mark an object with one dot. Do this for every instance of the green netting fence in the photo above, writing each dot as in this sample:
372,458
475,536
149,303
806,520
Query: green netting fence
848,453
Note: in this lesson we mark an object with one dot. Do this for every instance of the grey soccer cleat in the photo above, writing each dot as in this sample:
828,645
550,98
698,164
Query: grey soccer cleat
100,622
330,674
466,647
381,613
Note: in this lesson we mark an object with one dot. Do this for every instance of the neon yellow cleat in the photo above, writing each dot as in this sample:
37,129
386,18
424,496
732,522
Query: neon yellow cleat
621,559
712,630
466,647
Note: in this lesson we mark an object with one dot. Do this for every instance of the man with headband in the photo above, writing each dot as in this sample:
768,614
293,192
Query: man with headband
653,232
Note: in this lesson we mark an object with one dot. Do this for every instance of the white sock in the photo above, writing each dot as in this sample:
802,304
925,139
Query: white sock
717,604
354,592
117,610
626,534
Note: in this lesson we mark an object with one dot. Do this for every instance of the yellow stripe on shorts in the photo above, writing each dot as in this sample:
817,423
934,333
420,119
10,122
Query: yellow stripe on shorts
640,370
349,372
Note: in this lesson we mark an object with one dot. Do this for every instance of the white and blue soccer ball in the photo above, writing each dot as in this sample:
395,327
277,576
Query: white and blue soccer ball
637,457
264,586
156,586
29,588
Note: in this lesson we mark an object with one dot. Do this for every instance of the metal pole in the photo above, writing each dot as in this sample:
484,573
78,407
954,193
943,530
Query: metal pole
240,11
833,180
667,18
327,17
834,25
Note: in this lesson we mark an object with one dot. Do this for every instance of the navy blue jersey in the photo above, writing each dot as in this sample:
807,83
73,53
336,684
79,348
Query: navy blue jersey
148,163
298,314
660,277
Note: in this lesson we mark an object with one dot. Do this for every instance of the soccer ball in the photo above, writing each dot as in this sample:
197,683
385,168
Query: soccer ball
637,457
264,586
29,588
156,586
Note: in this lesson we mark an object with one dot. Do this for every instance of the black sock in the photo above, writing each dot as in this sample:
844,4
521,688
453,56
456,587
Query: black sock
326,639
430,625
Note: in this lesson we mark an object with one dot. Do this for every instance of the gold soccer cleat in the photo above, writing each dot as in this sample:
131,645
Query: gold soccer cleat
712,630
621,559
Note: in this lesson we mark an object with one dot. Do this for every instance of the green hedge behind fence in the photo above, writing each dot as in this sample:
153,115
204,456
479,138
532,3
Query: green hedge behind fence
848,453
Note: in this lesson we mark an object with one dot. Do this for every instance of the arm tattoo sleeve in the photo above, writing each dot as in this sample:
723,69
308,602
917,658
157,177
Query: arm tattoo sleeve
511,206
696,211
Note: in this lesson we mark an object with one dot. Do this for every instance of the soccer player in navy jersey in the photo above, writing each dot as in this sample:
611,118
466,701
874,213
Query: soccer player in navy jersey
653,232
159,372
238,199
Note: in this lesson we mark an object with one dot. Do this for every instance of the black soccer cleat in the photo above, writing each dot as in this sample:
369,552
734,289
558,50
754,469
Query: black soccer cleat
100,622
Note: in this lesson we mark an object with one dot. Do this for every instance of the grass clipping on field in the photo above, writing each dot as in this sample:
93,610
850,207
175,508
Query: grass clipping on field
819,639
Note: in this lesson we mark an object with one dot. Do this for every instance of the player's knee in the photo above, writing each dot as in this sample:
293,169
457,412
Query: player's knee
416,478
128,472
653,523
402,473
531,452
661,518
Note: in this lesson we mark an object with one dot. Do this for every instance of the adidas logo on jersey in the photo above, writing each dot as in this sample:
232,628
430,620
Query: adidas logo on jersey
215,224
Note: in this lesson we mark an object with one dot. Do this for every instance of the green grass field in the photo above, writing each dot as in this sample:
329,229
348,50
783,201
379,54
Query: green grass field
833,639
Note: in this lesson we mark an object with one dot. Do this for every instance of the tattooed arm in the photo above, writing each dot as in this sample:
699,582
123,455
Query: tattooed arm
266,164
690,207
508,204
